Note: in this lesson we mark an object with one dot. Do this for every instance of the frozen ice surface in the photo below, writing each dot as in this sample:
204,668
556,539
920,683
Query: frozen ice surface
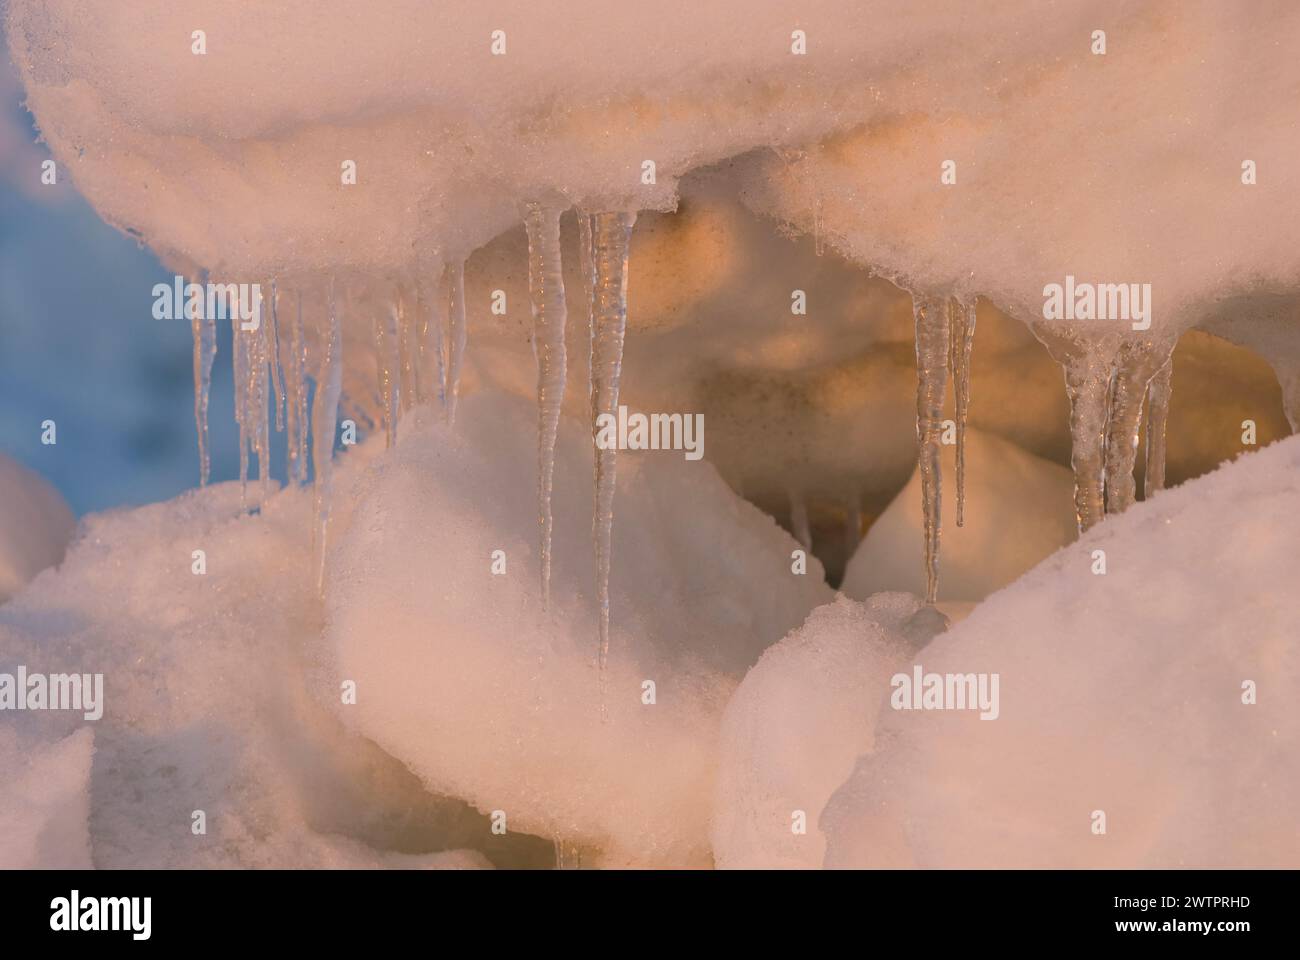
1121,693
1018,511
35,526
463,676
803,714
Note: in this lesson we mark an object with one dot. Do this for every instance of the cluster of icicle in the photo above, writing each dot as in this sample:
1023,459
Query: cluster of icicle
276,364
1110,376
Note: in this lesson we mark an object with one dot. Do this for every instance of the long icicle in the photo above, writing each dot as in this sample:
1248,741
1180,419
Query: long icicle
1087,363
385,328
329,385
295,400
932,347
259,396
1158,392
1137,363
610,233
204,329
457,333
277,368
239,369
546,290
961,319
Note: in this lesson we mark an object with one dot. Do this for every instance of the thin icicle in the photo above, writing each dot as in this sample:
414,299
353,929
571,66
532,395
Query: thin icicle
329,385
588,268
259,396
458,332
1136,364
277,369
961,326
546,290
932,349
433,309
386,363
408,352
609,233
799,526
295,398
204,329
239,369
1087,363
1158,392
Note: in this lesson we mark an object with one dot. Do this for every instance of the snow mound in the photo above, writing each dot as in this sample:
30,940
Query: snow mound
35,526
1019,509
462,675
794,727
45,803
1123,694
212,703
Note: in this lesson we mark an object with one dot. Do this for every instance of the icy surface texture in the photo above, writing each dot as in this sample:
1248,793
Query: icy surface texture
35,526
1017,513
463,676
804,713
1120,693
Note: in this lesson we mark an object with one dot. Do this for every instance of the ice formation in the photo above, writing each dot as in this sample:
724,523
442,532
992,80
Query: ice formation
878,130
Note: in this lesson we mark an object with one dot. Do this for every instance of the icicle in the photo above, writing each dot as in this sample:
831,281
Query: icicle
433,308
608,256
295,397
799,527
1158,391
386,364
546,289
204,329
932,348
961,327
277,370
329,385
239,370
457,333
408,354
259,396
1137,363
588,269
1087,364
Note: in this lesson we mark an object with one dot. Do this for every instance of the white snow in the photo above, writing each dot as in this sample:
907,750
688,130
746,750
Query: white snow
45,802
462,675
804,713
1120,693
